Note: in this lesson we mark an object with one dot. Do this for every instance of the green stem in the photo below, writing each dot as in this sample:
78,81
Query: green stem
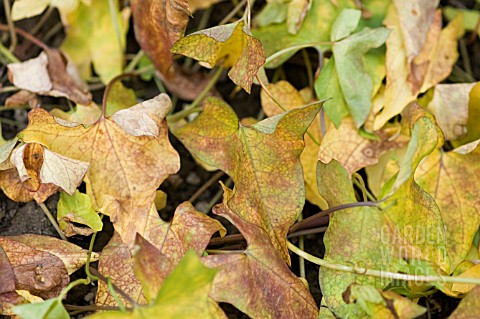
233,12
187,111
133,63
296,48
308,66
13,35
52,220
89,256
114,295
81,281
8,55
381,273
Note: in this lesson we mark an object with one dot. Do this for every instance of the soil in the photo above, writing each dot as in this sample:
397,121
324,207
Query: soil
28,218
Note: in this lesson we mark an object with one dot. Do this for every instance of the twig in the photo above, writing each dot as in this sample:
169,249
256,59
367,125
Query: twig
52,221
205,186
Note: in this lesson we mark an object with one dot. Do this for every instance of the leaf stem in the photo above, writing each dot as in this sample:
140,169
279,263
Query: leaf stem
188,110
233,12
133,62
381,273
108,88
308,67
295,48
81,281
52,220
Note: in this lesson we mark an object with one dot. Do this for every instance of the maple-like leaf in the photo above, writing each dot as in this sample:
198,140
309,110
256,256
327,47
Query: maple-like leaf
125,170
416,61
184,294
41,264
290,98
408,207
352,150
382,304
350,226
257,281
96,35
49,74
189,229
262,159
230,45
453,180
23,9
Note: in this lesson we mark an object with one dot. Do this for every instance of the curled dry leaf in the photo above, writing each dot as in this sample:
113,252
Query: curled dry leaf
263,160
158,25
42,264
257,281
230,45
23,97
49,74
415,63
125,170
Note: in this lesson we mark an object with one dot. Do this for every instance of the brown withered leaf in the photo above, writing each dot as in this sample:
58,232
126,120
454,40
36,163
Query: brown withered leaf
257,281
7,277
49,74
263,160
189,229
158,25
290,98
231,46
117,263
40,272
125,170
354,151
14,188
469,307
22,97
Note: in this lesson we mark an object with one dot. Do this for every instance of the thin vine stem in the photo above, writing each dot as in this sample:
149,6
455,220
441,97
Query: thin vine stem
89,255
232,13
296,48
381,273
27,36
109,87
117,289
205,186
81,281
13,35
52,220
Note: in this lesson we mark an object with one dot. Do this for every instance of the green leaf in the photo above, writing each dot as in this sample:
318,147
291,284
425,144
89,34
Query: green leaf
345,24
350,226
77,209
51,308
327,85
356,83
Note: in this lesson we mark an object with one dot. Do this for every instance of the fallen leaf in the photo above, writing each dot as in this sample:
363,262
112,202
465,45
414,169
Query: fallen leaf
23,9
14,188
452,178
290,98
7,277
257,281
416,63
41,264
77,209
263,161
354,151
93,37
189,229
37,166
183,293
80,114
123,186
472,127
350,226
278,11
49,74
23,97
230,45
